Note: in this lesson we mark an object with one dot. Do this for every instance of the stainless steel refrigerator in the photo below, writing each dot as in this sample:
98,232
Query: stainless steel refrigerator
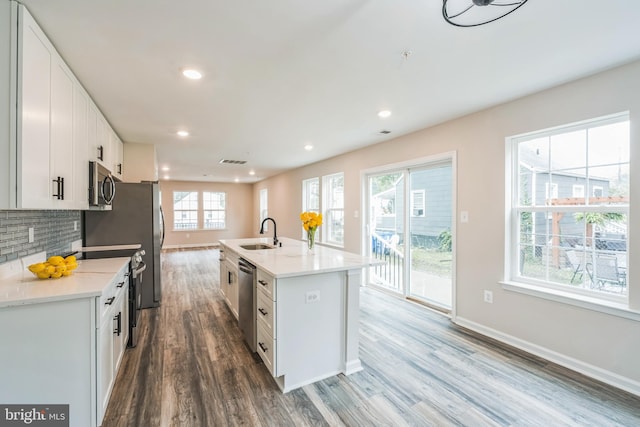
136,217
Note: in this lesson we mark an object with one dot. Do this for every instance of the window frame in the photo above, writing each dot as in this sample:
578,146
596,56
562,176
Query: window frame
175,211
223,210
514,280
424,203
200,211
328,209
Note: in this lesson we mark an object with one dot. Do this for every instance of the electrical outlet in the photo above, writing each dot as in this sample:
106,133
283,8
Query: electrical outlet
31,235
488,297
312,296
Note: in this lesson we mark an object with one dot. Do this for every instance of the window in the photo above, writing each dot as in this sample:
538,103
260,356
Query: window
310,198
185,210
577,191
193,210
264,212
311,195
214,210
565,240
331,205
333,218
417,203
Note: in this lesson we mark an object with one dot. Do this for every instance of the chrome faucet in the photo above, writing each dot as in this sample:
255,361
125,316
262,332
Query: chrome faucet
275,237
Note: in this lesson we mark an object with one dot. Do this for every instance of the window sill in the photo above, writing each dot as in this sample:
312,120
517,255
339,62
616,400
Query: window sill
583,301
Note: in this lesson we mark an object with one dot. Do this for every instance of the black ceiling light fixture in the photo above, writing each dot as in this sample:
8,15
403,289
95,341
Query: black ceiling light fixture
471,13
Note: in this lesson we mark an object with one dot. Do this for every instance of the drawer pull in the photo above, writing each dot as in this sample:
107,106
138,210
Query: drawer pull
118,320
262,311
263,347
110,301
121,284
263,283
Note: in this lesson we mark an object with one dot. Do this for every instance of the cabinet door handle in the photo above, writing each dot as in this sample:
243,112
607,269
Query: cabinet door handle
59,188
229,279
263,347
101,153
119,285
263,311
120,168
110,301
262,282
118,320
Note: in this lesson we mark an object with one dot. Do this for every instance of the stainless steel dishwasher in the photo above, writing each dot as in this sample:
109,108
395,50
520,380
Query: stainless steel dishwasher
247,301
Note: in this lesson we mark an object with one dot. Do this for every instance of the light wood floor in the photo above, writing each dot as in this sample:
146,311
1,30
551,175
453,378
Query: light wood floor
191,368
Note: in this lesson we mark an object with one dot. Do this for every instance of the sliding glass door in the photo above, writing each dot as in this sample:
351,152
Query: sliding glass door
410,213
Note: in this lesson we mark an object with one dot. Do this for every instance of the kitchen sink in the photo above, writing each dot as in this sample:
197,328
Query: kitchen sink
256,246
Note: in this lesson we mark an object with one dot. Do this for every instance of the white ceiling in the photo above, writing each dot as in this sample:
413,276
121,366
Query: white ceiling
280,74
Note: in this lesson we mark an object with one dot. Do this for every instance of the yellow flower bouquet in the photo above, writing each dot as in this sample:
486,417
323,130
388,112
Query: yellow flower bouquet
310,222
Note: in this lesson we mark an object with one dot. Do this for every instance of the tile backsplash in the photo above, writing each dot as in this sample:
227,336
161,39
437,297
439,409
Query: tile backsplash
53,232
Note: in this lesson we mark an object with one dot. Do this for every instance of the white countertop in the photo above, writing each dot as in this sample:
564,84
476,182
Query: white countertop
294,258
110,248
88,280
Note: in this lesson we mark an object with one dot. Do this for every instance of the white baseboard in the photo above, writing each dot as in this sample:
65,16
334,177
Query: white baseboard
587,369
193,245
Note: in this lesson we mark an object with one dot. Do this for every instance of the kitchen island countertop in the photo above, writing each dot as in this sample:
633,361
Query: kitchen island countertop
293,258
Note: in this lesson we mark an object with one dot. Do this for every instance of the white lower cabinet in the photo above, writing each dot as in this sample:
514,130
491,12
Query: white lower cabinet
65,352
265,320
229,282
112,338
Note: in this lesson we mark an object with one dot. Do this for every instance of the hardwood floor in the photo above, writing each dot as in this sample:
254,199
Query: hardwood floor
192,368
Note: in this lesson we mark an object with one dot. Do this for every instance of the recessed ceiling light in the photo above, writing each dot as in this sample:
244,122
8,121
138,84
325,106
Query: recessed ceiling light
384,114
192,74
166,177
182,133
252,172
236,180
308,147
165,168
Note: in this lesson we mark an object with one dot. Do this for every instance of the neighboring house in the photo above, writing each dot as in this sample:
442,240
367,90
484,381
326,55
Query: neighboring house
431,204
564,188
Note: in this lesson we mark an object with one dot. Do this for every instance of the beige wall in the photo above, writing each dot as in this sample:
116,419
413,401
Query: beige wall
599,344
140,163
239,213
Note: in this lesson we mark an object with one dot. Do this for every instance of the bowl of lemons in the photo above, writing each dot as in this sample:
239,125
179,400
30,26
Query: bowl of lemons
55,267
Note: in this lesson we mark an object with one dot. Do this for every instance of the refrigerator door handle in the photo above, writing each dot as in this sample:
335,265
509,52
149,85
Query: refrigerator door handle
163,227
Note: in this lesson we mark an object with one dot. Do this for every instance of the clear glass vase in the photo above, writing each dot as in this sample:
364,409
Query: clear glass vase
311,239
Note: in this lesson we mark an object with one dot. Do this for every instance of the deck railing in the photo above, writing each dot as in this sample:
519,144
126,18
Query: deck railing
390,274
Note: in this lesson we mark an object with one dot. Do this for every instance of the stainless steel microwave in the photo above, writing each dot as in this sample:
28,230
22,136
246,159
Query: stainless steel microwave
102,187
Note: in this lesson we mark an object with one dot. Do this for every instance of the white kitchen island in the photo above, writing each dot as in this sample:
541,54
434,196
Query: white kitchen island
307,308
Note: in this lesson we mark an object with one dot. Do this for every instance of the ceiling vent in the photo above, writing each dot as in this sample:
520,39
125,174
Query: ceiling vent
232,162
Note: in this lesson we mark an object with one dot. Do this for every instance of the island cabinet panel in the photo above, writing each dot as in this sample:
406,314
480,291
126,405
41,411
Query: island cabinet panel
310,328
47,356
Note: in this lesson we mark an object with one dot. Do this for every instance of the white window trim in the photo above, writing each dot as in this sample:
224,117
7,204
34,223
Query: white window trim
199,211
424,203
596,301
214,210
326,216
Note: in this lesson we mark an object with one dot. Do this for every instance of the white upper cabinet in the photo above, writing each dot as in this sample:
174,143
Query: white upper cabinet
80,147
34,99
61,138
54,128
